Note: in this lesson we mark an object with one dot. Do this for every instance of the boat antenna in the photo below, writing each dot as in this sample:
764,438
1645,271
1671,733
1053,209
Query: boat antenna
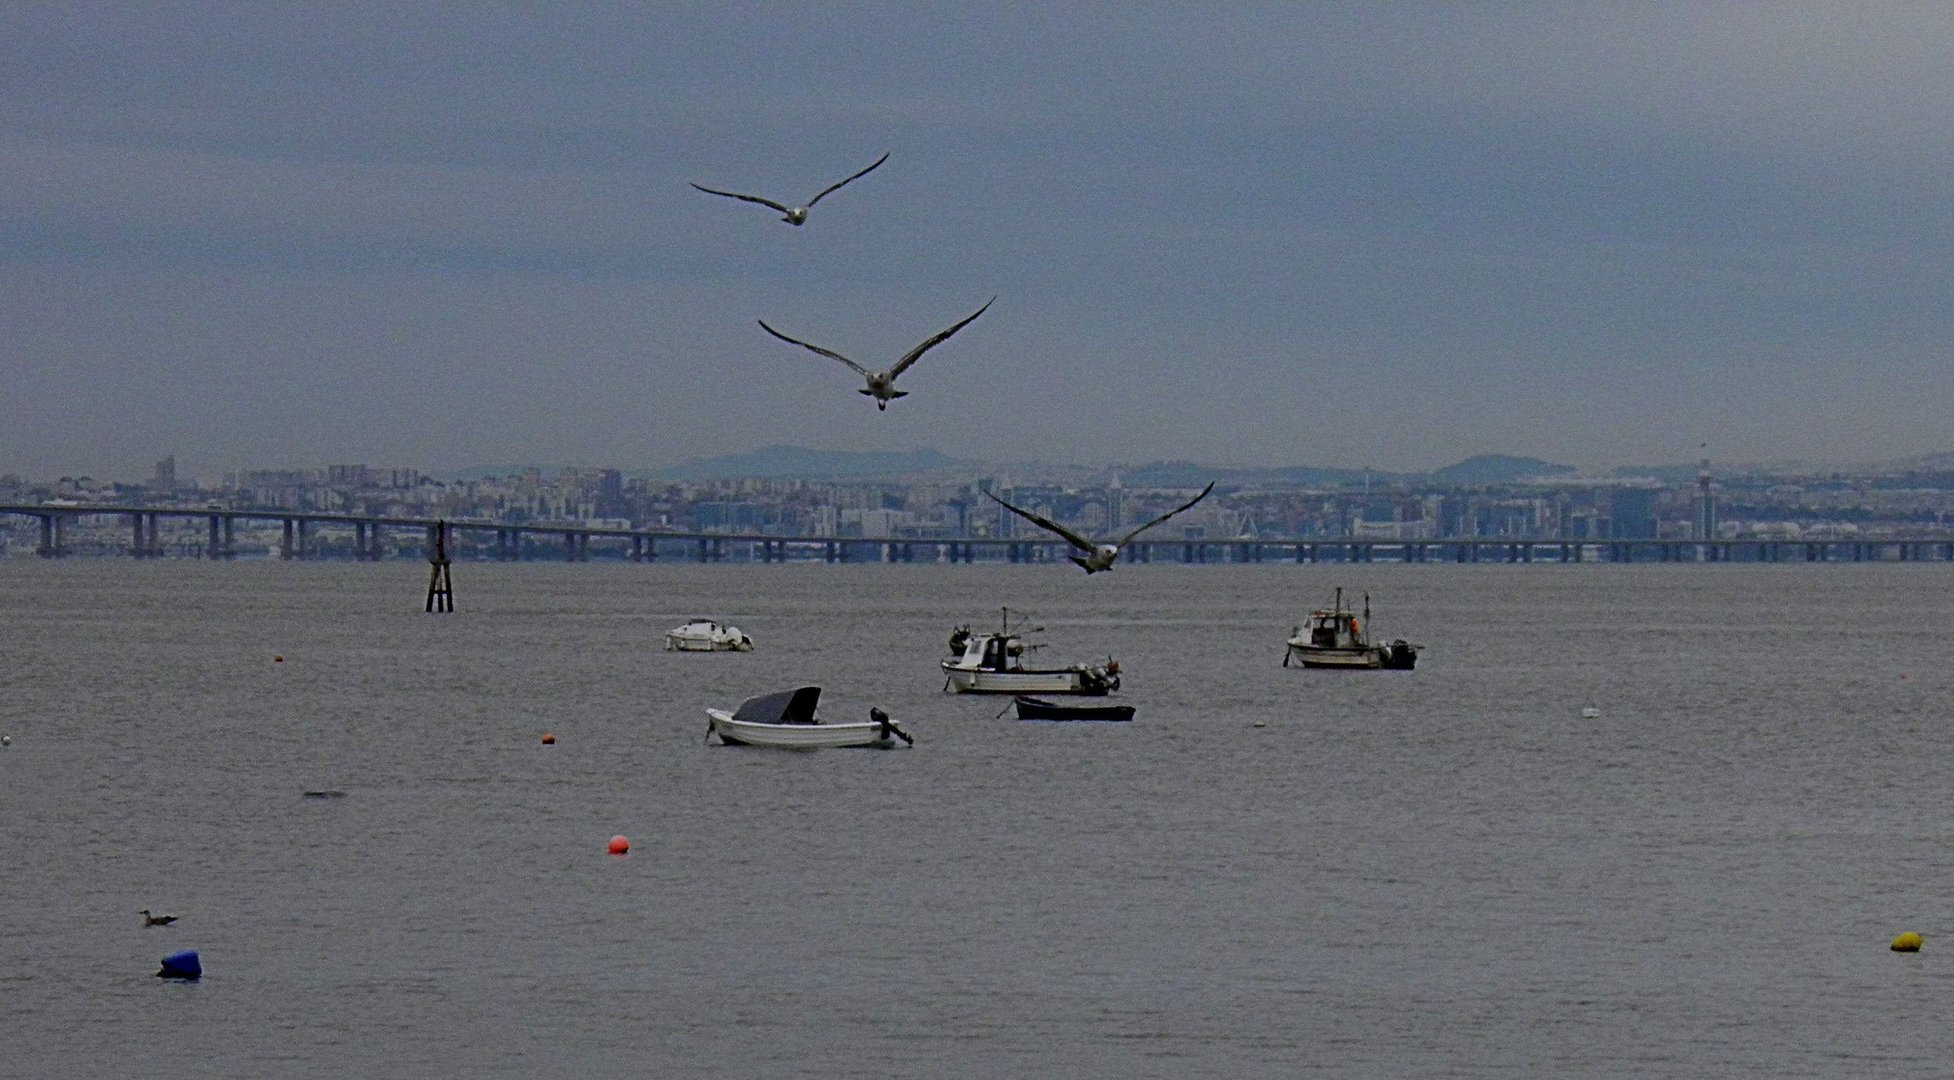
1367,617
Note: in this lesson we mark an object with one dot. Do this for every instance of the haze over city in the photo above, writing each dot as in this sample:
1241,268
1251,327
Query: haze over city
1352,236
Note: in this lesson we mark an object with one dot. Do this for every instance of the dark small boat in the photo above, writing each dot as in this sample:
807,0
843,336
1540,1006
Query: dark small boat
1031,708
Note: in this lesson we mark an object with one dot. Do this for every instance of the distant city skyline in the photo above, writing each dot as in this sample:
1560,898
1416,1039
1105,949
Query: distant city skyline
1327,234
781,462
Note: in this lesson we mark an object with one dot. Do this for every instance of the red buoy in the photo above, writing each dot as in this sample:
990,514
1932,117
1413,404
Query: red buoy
549,739
619,845
277,659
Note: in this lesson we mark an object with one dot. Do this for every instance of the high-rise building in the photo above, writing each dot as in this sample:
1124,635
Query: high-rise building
165,479
1631,513
1706,505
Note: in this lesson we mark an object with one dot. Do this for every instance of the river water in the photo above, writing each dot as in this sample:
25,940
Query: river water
1270,872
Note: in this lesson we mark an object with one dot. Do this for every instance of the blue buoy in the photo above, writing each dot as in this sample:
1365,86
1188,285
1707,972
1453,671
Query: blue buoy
183,965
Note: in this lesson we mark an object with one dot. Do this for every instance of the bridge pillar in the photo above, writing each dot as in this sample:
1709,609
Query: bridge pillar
215,549
53,533
137,548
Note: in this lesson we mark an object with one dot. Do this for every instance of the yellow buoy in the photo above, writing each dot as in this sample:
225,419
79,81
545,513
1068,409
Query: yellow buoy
1907,942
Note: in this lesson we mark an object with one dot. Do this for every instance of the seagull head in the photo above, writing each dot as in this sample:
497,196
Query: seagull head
796,216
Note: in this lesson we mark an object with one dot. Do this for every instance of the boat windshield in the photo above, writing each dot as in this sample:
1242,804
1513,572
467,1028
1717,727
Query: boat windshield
785,707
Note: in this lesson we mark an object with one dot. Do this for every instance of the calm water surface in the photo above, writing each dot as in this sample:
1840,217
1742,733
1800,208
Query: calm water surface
1443,873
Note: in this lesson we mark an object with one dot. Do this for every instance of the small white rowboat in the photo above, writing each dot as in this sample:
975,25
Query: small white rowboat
786,720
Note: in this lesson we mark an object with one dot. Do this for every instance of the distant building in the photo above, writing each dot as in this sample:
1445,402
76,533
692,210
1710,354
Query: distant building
165,479
1706,505
1631,513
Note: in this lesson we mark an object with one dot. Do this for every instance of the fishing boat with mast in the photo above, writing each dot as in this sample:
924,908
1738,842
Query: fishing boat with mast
1335,637
983,663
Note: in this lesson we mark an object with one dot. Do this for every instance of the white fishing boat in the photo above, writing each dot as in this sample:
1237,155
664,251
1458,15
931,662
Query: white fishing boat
705,635
1335,637
786,720
994,664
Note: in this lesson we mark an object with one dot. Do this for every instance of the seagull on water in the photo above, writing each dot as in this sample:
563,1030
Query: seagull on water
882,384
1098,557
794,215
156,920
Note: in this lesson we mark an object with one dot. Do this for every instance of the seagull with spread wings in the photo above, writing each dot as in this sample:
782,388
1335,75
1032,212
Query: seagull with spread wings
794,215
1097,557
882,384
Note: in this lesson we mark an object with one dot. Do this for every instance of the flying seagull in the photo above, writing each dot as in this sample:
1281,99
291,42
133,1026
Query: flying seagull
794,215
882,384
1098,557
156,920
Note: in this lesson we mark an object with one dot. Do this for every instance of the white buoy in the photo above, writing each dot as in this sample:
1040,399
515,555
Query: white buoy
1590,712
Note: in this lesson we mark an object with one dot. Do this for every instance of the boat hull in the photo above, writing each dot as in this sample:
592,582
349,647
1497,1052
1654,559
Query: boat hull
1034,709
963,680
1354,658
1318,656
674,643
733,732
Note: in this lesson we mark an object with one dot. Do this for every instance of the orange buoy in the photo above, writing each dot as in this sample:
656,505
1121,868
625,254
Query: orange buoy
619,845
277,659
549,739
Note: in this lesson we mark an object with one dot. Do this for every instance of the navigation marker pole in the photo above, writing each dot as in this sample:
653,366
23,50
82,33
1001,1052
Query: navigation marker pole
440,587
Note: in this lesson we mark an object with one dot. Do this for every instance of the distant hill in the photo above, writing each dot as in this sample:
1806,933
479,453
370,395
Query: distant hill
800,463
783,462
1499,469
1172,474
1485,469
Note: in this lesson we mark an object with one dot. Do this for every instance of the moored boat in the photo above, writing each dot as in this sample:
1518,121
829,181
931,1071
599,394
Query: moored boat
983,663
786,720
1335,637
1031,708
706,635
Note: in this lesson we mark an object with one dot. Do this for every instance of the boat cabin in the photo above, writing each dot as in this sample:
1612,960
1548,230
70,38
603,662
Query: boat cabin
987,652
1335,629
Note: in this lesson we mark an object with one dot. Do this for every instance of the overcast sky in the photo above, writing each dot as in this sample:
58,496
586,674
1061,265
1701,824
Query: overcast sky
1357,234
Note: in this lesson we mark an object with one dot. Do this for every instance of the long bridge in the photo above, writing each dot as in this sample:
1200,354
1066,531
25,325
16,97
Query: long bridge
301,537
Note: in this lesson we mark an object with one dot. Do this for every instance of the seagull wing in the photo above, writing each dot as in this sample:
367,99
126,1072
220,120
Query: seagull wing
1204,494
914,354
838,184
743,198
829,353
1048,524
